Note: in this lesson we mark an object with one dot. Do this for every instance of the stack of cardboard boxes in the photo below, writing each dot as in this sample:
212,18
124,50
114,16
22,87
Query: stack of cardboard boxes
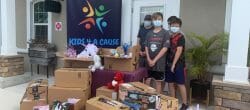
137,96
71,83
36,95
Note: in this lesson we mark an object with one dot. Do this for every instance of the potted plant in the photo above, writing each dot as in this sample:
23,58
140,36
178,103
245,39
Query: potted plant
200,58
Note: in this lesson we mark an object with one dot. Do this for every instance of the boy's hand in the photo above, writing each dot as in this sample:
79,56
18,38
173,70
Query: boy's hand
150,63
142,53
172,68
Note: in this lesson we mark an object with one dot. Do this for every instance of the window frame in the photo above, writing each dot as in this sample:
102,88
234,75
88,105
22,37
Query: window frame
33,24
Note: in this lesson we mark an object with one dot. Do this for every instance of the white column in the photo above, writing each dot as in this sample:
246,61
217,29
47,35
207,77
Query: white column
126,21
236,69
8,27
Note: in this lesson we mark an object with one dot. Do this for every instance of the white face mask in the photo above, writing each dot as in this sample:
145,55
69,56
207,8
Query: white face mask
157,23
175,29
147,23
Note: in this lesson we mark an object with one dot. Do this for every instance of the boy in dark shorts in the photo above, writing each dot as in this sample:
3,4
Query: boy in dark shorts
175,73
156,45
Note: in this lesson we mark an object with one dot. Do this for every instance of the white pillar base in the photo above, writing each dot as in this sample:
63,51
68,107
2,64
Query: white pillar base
236,74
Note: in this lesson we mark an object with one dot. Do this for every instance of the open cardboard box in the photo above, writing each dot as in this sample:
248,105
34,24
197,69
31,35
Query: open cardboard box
42,88
120,63
28,104
104,91
104,103
62,94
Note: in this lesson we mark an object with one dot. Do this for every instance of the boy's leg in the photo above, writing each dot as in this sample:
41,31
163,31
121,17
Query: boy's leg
159,78
180,80
148,81
183,92
171,87
170,79
159,86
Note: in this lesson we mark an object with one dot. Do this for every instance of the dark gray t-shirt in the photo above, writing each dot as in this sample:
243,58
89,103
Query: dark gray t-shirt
155,42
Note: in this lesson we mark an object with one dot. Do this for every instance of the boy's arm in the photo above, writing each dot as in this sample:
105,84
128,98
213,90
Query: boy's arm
147,55
160,54
176,57
179,50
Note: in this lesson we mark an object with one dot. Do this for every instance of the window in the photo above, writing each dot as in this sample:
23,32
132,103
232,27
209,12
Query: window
40,25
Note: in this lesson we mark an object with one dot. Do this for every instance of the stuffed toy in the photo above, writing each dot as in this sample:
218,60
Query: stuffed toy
70,52
118,79
97,63
89,51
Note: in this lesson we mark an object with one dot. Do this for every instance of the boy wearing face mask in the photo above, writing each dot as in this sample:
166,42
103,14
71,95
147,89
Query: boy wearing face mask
175,73
147,26
156,45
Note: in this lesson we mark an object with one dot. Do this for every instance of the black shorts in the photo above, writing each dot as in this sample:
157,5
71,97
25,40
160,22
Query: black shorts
156,75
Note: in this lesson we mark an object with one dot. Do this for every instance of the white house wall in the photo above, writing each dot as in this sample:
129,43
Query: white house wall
21,24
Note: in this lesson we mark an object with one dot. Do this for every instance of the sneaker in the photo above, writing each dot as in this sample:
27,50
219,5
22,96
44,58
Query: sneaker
184,107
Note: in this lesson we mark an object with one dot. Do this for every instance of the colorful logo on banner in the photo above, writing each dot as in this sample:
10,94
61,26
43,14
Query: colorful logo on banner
94,21
94,17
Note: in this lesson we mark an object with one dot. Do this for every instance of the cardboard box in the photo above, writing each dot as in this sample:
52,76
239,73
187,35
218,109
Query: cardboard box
104,91
136,86
46,107
72,103
104,103
79,105
28,104
168,103
37,89
63,94
139,96
77,62
73,78
128,64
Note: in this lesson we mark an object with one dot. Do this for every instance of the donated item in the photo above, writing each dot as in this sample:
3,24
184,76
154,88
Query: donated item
63,94
128,63
104,91
118,79
139,96
97,63
28,104
46,107
89,51
70,104
37,89
70,52
168,103
57,105
73,78
104,103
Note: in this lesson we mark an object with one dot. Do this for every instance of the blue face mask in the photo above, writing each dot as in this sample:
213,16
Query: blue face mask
175,29
157,23
147,23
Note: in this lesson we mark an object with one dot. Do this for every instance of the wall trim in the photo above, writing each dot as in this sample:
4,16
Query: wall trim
228,14
21,50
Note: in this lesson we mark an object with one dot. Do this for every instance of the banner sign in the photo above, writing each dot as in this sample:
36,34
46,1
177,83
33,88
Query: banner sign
94,21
